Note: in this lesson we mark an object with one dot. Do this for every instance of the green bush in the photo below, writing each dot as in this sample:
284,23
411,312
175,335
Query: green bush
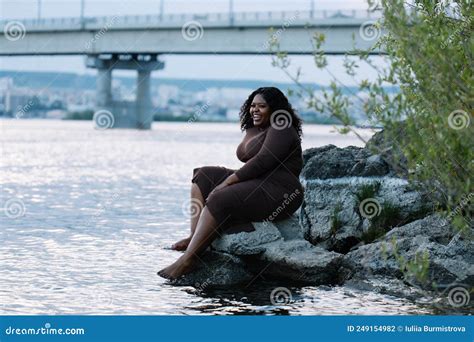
429,53
336,222
388,217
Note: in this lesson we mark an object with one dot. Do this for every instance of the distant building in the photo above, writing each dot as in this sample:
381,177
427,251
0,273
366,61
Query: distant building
233,114
56,114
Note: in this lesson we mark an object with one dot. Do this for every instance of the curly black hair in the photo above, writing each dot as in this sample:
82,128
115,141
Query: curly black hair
276,100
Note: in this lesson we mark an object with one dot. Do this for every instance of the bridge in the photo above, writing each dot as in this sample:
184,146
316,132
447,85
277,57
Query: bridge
135,42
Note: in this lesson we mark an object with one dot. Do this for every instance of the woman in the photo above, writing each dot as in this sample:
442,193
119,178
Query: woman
265,188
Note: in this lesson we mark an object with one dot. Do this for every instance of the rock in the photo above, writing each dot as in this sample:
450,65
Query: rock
389,149
299,261
333,216
290,228
216,270
434,226
372,166
451,264
378,259
390,286
319,211
448,263
333,162
278,250
248,243
314,151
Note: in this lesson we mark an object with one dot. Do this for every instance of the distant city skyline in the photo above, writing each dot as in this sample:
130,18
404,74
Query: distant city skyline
236,67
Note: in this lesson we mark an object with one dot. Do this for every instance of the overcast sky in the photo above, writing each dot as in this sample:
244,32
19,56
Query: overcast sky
219,67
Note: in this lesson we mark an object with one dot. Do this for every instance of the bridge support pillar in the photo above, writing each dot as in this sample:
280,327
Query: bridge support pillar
124,114
104,87
144,105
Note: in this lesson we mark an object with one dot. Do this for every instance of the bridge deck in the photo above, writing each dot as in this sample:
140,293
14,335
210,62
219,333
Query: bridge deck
278,18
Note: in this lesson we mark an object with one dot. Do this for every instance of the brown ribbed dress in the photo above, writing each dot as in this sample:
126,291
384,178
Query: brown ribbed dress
268,187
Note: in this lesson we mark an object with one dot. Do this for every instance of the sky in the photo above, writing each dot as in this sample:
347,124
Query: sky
177,66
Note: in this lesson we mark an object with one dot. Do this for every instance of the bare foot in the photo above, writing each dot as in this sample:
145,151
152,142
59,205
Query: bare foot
181,245
180,267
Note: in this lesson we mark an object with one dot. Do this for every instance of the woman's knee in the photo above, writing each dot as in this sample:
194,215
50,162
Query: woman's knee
203,171
214,198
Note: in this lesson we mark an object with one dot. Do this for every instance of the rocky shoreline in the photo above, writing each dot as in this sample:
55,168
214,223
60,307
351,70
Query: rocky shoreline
362,224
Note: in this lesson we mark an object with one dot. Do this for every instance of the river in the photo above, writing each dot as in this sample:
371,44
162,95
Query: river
86,216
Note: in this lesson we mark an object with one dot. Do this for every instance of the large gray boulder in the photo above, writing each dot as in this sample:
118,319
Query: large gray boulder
434,226
337,214
274,250
216,269
448,262
333,162
248,243
299,261
390,286
389,147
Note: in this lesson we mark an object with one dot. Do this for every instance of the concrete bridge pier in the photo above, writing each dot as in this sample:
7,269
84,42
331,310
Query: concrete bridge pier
104,87
125,114
143,103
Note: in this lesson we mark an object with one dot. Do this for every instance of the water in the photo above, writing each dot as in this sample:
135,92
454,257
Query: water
96,210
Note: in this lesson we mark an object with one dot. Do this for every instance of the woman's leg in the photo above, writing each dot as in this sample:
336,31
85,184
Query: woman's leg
205,233
197,203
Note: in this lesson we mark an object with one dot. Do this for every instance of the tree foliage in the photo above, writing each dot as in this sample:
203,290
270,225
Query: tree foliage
429,50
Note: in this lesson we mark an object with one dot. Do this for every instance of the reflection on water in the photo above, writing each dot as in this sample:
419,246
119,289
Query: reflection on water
101,206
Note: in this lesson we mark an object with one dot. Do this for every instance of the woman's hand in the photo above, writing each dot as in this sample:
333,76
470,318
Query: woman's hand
220,186
232,179
228,181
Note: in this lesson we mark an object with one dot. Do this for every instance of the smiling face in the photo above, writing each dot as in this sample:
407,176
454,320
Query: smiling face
260,111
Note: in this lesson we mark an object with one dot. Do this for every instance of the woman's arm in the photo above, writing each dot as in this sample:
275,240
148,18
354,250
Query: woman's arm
277,146
228,181
232,179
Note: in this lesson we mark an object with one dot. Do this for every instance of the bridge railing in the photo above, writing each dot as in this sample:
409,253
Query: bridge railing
209,19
